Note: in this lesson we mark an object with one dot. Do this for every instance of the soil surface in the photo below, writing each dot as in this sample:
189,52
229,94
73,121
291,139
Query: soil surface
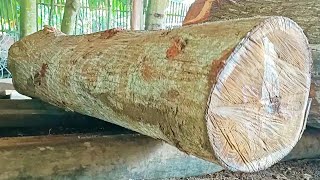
291,170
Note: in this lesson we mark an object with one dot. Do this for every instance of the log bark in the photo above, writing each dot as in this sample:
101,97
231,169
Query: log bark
305,13
196,88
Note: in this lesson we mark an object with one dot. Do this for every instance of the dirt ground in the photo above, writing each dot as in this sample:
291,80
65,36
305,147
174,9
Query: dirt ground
304,169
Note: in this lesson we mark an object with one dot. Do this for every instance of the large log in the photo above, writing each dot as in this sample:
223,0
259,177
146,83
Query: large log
204,89
305,13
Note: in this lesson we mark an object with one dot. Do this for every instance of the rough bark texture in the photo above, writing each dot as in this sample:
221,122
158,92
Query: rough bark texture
305,13
28,20
165,84
155,16
69,17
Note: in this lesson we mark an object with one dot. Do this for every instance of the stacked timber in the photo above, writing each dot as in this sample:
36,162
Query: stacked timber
129,156
223,91
305,13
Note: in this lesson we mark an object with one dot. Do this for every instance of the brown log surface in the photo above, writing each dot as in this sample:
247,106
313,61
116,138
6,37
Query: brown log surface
178,85
306,12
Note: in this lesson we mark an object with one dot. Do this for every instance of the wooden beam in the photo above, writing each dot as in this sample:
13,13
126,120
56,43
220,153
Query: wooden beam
112,157
35,113
96,157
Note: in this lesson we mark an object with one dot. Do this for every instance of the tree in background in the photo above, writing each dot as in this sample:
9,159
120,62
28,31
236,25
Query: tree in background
28,19
69,17
155,16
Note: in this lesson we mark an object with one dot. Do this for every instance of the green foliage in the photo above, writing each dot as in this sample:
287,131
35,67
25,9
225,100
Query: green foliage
9,9
94,4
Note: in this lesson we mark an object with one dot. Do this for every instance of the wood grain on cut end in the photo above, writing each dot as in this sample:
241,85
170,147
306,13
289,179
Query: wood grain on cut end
256,110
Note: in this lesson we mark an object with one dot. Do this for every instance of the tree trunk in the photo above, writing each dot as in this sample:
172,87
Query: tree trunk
197,87
155,17
137,14
69,17
28,20
305,13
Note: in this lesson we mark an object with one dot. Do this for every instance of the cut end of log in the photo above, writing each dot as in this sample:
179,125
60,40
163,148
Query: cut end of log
256,111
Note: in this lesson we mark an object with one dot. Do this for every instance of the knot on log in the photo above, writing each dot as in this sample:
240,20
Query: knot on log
110,33
41,74
49,30
178,45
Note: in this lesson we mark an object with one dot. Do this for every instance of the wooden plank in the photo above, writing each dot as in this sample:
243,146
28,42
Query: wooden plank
96,157
35,113
112,157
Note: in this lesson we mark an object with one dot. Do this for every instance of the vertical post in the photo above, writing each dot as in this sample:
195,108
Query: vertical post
108,13
137,13
28,23
71,9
